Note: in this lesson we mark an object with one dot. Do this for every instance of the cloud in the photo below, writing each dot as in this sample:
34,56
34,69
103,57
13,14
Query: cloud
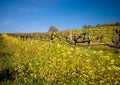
7,22
36,1
28,9
34,5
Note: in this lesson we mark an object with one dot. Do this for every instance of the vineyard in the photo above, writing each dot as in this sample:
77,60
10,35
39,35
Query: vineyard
34,59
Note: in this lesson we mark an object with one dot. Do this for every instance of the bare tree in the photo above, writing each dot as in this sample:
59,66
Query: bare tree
52,29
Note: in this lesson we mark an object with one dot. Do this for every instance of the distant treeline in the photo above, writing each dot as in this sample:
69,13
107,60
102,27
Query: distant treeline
102,25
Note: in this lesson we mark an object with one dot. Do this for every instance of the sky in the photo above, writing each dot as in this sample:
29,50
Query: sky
39,15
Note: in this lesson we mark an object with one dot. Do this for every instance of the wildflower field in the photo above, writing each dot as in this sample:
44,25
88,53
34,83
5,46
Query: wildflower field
35,62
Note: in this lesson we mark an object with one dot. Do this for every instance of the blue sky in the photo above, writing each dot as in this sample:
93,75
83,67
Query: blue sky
39,15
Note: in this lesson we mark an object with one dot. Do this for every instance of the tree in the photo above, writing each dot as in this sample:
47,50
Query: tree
85,26
117,23
98,25
52,29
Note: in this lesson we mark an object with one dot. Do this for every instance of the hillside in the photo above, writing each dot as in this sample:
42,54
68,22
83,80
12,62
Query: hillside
56,62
